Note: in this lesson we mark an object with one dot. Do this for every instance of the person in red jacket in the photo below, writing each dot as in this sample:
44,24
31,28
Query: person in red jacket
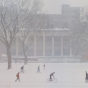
18,77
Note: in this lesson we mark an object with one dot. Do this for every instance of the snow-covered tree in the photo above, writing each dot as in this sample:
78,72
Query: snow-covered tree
80,32
27,35
13,16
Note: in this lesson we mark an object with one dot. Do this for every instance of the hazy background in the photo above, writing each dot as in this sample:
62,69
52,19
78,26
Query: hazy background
54,6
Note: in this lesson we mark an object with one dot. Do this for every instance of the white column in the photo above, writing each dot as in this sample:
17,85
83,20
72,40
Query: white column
70,47
44,44
35,46
16,45
52,45
61,45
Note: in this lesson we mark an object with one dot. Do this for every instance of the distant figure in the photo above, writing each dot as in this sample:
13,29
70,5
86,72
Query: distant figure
52,74
18,77
19,61
86,75
22,69
38,70
44,66
15,61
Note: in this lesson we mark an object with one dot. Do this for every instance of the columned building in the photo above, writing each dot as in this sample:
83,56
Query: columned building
54,38
50,43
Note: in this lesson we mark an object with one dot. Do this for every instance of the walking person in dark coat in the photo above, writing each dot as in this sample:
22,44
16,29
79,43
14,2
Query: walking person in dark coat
38,70
22,69
86,75
44,66
18,77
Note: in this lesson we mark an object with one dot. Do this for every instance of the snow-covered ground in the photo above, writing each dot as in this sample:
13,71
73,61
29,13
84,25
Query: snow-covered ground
68,75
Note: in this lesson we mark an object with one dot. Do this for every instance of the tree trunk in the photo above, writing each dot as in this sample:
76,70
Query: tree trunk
9,57
25,58
25,55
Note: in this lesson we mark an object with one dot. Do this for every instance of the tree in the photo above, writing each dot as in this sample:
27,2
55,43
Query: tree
24,37
80,32
27,35
12,19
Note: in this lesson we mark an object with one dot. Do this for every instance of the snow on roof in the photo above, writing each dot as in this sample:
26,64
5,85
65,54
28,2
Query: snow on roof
61,29
53,29
4,55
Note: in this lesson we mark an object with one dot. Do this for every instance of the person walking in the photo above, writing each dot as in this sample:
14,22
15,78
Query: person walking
44,66
86,75
38,70
18,77
22,69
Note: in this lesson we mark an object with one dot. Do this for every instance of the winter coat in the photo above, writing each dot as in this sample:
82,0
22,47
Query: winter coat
17,75
86,75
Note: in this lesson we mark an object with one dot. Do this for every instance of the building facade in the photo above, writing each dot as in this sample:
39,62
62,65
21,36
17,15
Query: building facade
53,42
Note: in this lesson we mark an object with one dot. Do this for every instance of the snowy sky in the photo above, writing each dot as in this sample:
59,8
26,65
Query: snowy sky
54,6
